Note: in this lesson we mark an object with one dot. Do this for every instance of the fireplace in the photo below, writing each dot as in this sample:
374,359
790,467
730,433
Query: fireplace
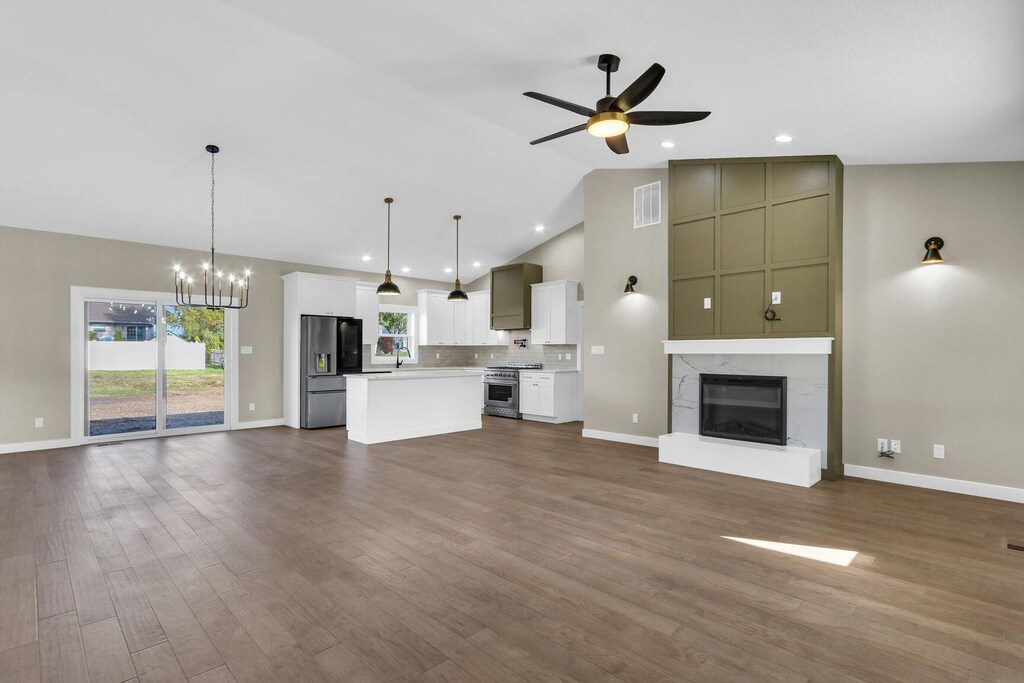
743,407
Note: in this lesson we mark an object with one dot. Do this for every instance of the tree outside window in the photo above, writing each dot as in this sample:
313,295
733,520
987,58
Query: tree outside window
394,338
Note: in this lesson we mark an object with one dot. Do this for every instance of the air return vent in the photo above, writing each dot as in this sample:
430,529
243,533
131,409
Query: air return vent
647,205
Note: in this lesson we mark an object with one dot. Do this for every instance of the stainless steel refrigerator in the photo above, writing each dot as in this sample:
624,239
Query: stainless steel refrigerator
331,348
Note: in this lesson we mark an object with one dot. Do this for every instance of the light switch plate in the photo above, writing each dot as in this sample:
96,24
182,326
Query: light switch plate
776,297
596,350
568,356
252,406
39,422
707,302
245,350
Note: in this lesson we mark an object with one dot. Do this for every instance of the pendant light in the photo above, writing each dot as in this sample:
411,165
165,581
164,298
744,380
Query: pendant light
388,288
457,294
213,279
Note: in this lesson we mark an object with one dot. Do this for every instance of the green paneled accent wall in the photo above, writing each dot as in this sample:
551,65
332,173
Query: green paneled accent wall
744,228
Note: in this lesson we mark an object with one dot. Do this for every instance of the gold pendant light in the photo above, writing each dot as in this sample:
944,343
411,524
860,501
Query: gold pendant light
388,288
457,294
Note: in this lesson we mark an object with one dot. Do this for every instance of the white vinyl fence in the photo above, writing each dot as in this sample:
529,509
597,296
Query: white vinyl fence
141,355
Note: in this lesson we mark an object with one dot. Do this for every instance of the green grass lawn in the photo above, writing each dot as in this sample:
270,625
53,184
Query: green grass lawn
138,382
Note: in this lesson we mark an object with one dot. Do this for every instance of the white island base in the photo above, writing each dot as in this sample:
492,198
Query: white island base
406,405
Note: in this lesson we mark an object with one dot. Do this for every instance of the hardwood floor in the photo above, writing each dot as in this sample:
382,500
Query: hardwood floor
520,552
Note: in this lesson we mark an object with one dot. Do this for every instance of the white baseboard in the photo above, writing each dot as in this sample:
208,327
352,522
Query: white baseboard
258,424
651,441
35,445
927,481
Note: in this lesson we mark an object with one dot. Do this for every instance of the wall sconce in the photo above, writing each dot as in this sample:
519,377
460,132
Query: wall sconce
933,245
630,281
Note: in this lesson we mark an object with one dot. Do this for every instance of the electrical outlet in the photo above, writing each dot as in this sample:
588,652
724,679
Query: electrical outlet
894,445
707,302
475,356
437,355
559,356
883,445
596,350
568,356
39,422
636,418
245,350
776,297
939,451
252,407
492,356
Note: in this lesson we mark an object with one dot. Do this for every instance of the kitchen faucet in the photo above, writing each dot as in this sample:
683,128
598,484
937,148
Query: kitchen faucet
398,362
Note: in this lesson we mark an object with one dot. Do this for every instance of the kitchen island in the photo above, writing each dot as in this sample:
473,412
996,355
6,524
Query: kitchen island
412,403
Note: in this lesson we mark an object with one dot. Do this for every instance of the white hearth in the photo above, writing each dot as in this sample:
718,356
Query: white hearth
804,363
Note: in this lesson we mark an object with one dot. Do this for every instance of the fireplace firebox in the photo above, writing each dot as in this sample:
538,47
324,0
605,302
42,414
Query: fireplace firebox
743,407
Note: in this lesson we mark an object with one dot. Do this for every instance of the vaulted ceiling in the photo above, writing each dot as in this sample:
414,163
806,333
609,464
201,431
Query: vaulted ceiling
323,108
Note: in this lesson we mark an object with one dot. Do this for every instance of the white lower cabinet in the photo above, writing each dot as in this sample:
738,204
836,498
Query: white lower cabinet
549,396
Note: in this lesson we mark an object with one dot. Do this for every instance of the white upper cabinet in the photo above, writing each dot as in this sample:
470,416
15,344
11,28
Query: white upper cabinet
326,295
368,310
455,323
555,312
480,333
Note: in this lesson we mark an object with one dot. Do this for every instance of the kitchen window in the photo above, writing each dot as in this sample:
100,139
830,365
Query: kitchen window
396,339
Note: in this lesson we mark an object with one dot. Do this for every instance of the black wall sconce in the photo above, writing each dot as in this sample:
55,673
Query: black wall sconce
933,245
630,281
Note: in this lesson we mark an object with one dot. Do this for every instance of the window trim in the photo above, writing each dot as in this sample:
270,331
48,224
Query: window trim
411,311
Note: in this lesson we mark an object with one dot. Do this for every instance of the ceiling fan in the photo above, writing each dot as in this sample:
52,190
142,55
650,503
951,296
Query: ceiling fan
609,118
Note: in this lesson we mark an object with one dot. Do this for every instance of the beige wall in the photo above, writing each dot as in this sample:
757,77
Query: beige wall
561,256
933,353
37,270
632,375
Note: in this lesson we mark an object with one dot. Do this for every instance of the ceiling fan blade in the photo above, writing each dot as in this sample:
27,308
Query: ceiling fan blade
640,89
575,108
567,131
665,118
618,144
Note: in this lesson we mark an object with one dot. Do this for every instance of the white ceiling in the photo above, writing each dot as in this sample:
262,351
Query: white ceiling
323,108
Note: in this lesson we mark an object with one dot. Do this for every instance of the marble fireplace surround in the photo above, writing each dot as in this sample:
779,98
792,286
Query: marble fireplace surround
802,360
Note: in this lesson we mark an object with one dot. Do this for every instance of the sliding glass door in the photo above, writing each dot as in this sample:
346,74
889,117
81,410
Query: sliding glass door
152,367
193,367
123,366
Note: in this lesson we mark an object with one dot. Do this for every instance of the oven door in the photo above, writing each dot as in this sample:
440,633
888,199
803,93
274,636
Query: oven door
501,393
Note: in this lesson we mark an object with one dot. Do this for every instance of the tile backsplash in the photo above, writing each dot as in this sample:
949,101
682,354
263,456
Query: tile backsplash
481,356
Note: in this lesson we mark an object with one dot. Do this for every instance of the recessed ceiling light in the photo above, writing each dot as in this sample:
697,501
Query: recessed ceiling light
783,138
366,257
476,264
668,144
447,270
539,228
405,269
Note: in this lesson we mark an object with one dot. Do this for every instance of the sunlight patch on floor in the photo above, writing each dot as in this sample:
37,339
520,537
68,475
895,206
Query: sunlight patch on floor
836,556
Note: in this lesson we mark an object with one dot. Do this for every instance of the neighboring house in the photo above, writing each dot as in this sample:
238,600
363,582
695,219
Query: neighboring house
135,323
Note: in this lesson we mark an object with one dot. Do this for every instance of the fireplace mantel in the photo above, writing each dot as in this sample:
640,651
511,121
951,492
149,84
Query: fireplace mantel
760,345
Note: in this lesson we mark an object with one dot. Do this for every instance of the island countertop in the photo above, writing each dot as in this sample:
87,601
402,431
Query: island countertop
377,375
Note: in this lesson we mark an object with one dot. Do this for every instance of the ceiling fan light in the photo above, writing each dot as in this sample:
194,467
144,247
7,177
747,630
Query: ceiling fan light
607,124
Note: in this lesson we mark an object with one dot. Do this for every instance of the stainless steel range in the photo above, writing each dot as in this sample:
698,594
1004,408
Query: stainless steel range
501,389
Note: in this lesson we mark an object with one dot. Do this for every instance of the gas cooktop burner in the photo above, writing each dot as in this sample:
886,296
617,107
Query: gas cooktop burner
517,366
